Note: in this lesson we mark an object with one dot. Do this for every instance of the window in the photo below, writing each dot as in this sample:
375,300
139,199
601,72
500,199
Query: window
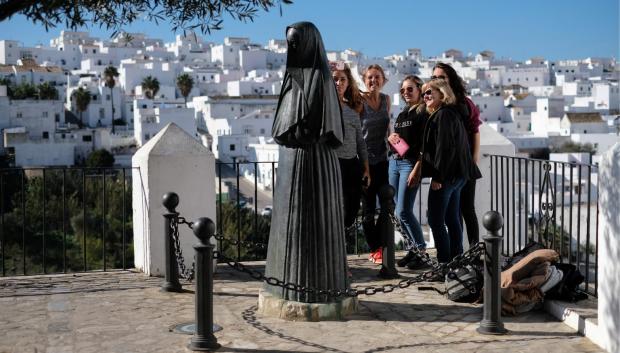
585,131
232,147
57,117
46,135
509,80
485,106
262,131
147,137
87,138
19,114
107,97
44,114
94,97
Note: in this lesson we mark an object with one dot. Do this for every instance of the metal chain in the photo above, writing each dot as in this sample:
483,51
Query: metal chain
438,272
423,256
184,272
246,244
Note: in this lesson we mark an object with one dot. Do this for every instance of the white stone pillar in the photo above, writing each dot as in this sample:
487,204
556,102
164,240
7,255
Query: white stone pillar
609,250
491,142
171,161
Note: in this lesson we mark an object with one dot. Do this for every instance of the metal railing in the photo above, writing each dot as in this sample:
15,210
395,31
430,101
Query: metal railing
60,219
550,202
237,208
242,192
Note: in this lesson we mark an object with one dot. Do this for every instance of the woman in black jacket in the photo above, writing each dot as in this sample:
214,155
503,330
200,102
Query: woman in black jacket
446,159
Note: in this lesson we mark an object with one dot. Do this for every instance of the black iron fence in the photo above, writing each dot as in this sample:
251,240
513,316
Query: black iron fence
244,195
553,203
59,220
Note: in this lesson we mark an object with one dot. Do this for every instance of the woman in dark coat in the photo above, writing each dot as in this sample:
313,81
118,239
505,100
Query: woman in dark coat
306,241
447,160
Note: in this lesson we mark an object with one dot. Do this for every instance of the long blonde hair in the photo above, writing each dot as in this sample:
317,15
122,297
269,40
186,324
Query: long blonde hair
442,86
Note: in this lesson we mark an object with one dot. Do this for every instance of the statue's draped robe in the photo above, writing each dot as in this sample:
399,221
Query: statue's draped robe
306,241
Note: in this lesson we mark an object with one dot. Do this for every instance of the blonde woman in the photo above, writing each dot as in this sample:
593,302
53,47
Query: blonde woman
447,160
375,119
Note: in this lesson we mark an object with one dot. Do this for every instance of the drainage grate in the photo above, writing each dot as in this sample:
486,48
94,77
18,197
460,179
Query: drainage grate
189,328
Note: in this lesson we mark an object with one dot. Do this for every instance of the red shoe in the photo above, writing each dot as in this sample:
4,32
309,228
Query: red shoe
377,256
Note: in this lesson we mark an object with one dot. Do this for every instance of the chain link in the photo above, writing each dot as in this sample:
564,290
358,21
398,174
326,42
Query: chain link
413,247
184,272
245,244
436,273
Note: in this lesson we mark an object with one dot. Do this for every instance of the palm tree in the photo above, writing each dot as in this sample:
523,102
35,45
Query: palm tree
47,91
109,75
150,86
185,83
82,100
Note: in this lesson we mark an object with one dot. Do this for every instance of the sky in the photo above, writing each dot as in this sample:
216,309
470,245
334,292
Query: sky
553,29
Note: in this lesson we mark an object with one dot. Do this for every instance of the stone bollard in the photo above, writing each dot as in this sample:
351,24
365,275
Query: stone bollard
386,230
491,323
203,339
171,283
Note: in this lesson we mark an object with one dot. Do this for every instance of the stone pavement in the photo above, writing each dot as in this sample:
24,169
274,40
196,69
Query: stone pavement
126,312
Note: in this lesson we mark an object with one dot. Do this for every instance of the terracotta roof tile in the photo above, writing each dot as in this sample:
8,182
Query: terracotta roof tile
577,118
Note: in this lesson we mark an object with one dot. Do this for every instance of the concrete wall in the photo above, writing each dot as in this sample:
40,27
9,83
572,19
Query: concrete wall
171,161
609,251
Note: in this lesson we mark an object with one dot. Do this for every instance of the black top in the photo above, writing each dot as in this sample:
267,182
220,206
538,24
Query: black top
445,152
308,108
409,125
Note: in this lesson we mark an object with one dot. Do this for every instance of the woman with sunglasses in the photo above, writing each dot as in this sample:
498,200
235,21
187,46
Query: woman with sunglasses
447,160
352,155
375,119
408,129
472,122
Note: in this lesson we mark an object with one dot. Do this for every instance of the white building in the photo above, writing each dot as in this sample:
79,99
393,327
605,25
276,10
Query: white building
231,121
526,76
150,117
546,118
583,123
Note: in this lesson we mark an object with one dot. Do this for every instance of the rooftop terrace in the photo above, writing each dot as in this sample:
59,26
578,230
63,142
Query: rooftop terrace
126,312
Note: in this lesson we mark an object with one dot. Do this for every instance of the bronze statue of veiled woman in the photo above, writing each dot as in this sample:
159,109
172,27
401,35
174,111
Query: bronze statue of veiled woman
306,242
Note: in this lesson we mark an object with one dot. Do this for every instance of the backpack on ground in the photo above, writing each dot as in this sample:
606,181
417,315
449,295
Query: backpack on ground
464,284
568,288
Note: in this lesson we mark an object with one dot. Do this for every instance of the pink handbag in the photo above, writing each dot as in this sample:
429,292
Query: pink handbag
401,147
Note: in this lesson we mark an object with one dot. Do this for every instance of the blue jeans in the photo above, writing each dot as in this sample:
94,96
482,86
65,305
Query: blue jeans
404,198
444,218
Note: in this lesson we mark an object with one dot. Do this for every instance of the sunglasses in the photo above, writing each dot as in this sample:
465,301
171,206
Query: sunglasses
440,77
408,90
428,92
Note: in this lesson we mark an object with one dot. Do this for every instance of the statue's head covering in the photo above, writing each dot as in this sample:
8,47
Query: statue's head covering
308,108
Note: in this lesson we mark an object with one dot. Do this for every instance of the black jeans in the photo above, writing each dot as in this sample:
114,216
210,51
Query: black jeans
351,171
468,211
378,178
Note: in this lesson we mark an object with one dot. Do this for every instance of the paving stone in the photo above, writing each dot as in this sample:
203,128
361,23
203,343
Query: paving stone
125,311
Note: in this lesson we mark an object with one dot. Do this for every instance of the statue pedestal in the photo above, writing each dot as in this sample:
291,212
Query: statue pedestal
269,305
